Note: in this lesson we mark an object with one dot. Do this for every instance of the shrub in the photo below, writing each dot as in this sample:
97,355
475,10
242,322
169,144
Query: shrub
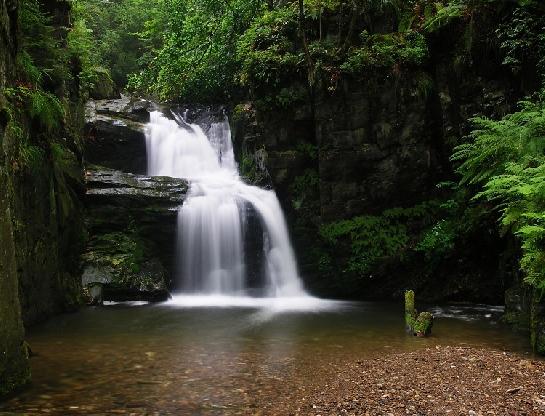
386,51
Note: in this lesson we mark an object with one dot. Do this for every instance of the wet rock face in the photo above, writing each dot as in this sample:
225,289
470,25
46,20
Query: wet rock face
378,140
132,225
115,134
14,367
375,149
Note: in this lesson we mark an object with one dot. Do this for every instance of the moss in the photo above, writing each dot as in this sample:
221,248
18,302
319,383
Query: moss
423,324
410,311
123,252
124,260
423,85
417,324
305,190
102,84
16,374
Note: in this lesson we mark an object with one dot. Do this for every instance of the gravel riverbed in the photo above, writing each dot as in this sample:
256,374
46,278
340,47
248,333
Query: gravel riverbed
433,381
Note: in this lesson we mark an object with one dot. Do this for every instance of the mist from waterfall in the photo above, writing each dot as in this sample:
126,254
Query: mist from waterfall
212,221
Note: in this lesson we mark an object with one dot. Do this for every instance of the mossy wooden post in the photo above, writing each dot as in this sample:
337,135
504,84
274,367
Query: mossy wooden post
417,324
423,324
410,311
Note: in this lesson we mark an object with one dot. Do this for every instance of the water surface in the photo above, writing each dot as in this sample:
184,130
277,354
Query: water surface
167,359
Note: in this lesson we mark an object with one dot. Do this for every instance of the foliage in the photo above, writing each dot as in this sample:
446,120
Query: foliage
36,107
197,55
386,51
106,36
506,161
252,166
375,238
438,15
305,189
30,156
494,143
522,39
40,60
210,51
39,105
308,149
439,240
315,7
268,55
81,47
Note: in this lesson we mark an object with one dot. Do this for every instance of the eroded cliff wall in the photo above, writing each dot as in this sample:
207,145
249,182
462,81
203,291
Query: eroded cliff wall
14,367
371,145
41,184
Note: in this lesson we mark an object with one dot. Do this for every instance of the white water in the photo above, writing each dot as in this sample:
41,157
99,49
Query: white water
212,219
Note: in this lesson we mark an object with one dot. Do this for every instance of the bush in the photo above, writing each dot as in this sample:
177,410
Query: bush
267,51
386,51
373,239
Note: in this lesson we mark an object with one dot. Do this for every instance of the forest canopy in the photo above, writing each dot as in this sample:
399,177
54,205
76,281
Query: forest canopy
207,50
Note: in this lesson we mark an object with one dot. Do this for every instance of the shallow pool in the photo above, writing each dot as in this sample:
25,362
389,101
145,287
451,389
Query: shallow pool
198,357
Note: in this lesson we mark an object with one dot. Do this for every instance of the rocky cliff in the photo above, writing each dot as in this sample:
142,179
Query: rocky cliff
41,184
14,367
375,137
131,218
357,149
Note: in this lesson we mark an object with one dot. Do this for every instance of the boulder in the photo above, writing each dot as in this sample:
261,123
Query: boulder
103,85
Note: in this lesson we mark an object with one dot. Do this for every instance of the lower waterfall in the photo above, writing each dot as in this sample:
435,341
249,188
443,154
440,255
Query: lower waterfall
212,222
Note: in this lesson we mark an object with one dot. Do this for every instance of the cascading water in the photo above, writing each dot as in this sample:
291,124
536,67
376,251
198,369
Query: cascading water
211,222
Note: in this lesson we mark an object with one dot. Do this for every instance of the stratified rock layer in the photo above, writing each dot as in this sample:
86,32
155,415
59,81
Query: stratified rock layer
132,225
114,133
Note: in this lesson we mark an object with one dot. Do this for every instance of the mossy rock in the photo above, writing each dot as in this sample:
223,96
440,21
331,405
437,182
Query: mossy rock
121,263
103,85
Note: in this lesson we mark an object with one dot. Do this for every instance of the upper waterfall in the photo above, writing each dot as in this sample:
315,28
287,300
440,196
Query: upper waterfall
212,221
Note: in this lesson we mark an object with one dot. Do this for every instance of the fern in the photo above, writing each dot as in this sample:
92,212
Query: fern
507,160
443,15
30,156
46,108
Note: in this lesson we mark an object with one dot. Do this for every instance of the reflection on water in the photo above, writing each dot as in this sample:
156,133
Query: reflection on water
221,360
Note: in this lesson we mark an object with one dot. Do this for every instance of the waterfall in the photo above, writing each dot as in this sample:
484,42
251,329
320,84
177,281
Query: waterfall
211,222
